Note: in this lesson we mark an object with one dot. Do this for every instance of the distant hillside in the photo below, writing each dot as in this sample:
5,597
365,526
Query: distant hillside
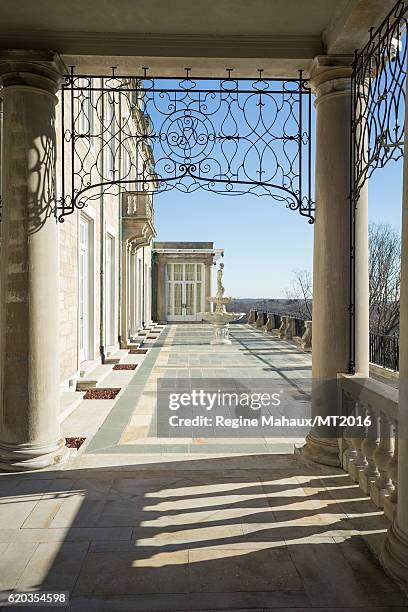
284,306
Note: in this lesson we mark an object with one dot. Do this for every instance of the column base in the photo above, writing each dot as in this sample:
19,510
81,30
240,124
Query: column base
22,457
394,555
324,451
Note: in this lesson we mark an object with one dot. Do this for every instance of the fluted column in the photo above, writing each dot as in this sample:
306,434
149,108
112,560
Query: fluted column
394,554
330,80
29,354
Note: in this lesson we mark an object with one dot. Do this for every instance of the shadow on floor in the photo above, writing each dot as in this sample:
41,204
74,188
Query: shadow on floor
219,533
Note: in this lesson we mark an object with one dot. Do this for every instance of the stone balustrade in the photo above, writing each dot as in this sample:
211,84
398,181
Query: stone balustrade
370,453
285,326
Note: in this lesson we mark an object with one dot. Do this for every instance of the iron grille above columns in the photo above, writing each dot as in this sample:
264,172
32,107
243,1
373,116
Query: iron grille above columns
224,135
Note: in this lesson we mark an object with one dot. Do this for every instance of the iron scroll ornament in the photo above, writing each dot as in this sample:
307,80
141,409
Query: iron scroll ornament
377,123
227,136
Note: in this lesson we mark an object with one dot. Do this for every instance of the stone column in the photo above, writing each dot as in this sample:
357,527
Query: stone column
161,291
330,80
30,435
207,282
394,553
125,295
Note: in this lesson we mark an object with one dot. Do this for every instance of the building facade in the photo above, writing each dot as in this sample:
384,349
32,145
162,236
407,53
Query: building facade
104,249
182,275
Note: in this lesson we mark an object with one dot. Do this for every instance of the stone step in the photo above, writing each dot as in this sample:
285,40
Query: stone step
94,378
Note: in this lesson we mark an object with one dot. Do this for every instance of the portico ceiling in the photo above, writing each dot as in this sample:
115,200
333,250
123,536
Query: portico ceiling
274,34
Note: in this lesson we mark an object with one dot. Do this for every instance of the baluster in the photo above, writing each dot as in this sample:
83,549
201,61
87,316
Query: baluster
390,502
290,329
382,456
360,462
349,453
259,320
307,337
369,446
270,324
282,329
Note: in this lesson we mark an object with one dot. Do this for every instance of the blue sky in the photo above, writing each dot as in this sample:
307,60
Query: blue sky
264,242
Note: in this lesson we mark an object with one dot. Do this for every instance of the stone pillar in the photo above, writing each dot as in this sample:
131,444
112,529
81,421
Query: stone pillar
330,79
290,330
30,435
394,553
161,291
125,295
307,337
252,317
207,292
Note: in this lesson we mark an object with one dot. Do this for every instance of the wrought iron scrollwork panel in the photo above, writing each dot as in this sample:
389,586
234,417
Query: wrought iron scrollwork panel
377,121
378,98
226,136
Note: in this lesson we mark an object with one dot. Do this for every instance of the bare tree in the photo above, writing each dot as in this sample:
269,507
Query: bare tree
384,277
300,294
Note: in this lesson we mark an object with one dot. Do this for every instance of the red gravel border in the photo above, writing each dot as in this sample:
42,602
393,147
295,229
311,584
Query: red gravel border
74,442
125,366
101,394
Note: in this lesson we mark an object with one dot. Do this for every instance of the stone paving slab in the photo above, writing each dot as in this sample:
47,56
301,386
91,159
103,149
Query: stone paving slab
183,351
136,523
218,533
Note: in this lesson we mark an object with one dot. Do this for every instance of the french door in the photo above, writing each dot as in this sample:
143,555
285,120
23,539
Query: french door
184,291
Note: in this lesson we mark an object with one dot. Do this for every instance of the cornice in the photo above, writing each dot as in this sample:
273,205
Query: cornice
173,45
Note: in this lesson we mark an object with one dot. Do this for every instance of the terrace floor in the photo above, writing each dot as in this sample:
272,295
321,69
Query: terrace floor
137,523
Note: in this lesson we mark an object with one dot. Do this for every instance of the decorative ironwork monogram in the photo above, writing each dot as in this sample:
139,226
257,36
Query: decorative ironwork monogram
227,136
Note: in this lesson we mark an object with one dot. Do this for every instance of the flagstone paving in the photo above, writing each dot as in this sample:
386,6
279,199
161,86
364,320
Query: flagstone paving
183,531
184,352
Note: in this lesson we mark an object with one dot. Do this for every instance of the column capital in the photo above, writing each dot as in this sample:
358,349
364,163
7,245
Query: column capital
25,68
330,76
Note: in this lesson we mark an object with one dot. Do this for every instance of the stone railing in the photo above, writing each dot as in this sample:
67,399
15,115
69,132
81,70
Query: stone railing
370,453
287,327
